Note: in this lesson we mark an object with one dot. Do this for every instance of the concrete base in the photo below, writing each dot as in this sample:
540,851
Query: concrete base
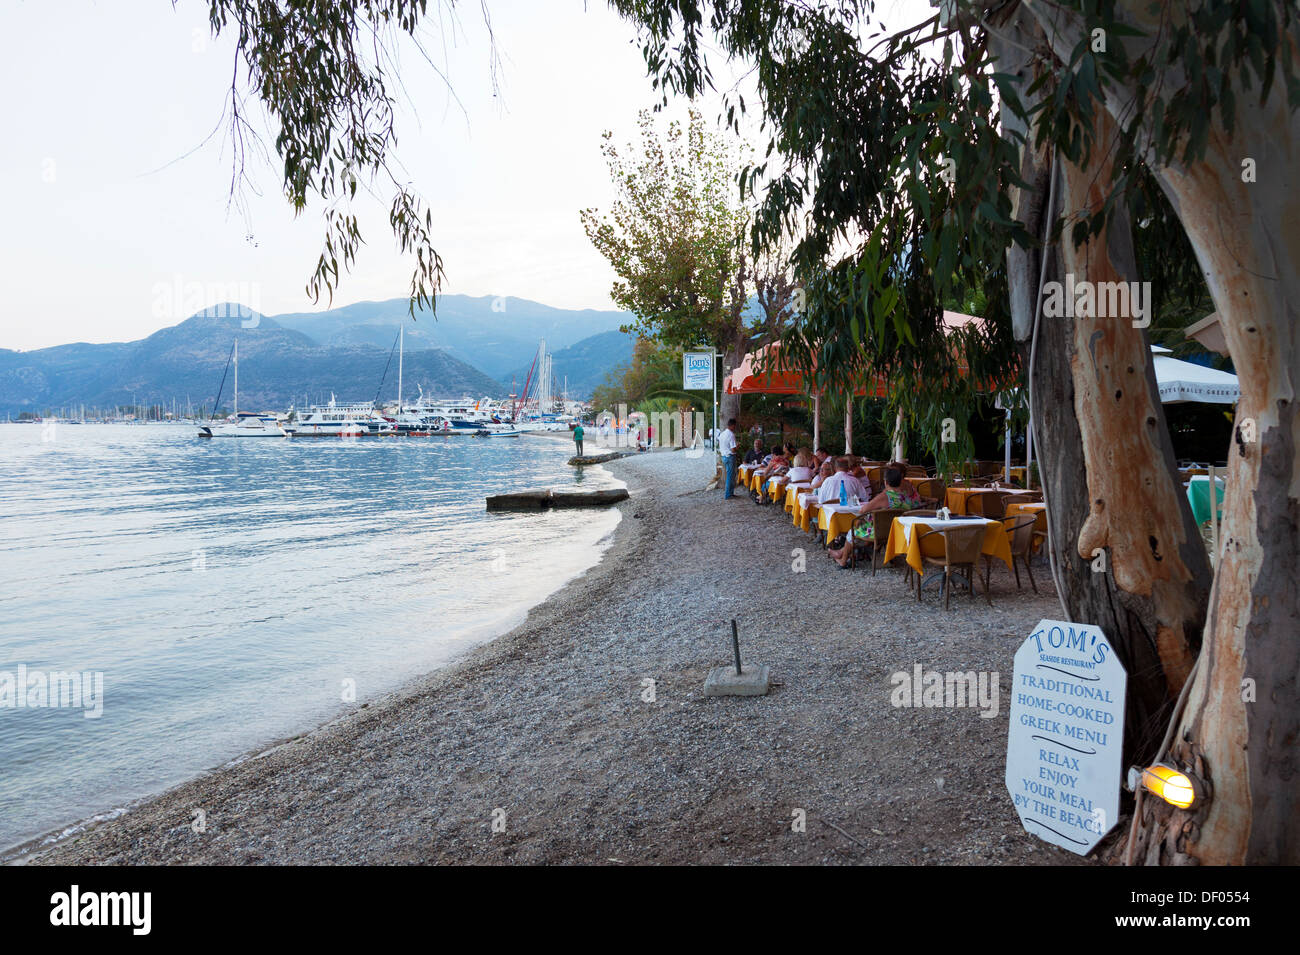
724,681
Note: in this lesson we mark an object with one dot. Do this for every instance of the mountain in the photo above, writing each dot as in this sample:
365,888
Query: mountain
278,366
497,335
584,363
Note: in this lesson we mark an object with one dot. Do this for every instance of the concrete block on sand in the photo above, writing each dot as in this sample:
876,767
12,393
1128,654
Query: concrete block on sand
725,681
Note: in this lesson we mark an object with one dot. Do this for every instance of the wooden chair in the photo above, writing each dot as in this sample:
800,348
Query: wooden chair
961,550
876,475
881,521
1020,533
931,489
1033,497
986,504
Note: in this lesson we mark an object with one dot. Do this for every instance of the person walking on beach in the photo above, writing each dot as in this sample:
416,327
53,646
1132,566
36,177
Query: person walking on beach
727,445
577,438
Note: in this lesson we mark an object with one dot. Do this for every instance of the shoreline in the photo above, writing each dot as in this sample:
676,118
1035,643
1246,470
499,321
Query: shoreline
583,736
32,849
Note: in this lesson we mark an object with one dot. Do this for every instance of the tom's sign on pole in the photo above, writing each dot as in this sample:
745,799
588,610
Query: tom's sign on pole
1066,734
697,371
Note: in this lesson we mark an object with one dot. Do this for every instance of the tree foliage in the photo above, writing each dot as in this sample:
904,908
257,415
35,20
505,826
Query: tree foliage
674,234
325,72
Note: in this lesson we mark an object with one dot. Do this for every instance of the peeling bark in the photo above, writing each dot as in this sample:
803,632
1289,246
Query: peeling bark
1106,463
1246,236
1247,239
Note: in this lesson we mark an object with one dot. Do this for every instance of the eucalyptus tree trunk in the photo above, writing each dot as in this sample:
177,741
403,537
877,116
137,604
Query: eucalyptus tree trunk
728,405
1240,728
1127,554
1241,724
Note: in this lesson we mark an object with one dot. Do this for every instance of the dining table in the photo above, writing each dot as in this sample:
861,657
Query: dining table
792,490
836,519
805,509
955,498
1198,496
904,540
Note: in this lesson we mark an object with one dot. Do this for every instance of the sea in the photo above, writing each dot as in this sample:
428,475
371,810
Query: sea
225,593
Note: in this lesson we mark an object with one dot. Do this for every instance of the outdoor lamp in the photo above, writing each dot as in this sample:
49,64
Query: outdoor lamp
1172,785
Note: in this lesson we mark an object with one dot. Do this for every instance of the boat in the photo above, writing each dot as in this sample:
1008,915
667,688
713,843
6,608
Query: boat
334,420
463,417
242,424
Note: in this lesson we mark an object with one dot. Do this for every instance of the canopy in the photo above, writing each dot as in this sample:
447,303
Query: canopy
746,379
1180,381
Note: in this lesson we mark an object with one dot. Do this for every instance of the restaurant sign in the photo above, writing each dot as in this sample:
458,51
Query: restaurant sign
697,371
1064,743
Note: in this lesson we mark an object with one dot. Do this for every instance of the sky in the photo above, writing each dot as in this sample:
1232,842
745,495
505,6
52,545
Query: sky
117,215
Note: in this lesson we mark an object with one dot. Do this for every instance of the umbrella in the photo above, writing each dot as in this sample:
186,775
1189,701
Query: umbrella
1180,381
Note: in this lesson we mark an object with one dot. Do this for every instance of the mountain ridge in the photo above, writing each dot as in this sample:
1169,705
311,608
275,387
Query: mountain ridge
281,363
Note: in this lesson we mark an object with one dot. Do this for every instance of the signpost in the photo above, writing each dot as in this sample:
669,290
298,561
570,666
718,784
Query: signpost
1066,735
698,375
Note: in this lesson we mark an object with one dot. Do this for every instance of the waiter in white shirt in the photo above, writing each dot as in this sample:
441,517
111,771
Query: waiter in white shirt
727,445
829,492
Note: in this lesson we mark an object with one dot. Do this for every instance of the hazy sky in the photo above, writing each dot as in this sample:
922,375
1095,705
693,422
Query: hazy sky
112,203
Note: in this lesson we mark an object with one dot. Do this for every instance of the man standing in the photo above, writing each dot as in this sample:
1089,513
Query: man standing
727,445
577,437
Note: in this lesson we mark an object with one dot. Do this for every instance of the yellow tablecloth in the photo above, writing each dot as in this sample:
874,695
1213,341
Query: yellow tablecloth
834,521
1038,509
776,488
995,543
955,498
804,513
792,495
744,472
755,481
1017,475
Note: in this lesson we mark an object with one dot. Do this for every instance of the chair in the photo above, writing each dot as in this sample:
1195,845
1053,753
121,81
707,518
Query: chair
1032,497
987,504
1020,532
920,513
931,489
961,550
915,471
875,475
881,521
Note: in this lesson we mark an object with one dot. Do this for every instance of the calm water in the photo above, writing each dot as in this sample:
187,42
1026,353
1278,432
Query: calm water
229,589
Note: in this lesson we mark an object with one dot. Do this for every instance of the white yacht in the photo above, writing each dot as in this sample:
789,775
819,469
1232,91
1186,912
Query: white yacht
242,424
245,424
463,417
334,420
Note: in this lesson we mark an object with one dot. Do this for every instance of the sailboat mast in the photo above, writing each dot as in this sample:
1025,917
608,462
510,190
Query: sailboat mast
236,379
401,349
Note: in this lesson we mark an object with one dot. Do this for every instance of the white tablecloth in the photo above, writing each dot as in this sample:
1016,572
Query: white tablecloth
939,524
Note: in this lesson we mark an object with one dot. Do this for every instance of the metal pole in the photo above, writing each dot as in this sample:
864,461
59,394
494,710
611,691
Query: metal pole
735,647
1006,454
714,362
817,422
1029,451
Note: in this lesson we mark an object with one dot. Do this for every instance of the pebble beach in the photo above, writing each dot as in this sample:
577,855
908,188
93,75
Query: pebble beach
583,736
